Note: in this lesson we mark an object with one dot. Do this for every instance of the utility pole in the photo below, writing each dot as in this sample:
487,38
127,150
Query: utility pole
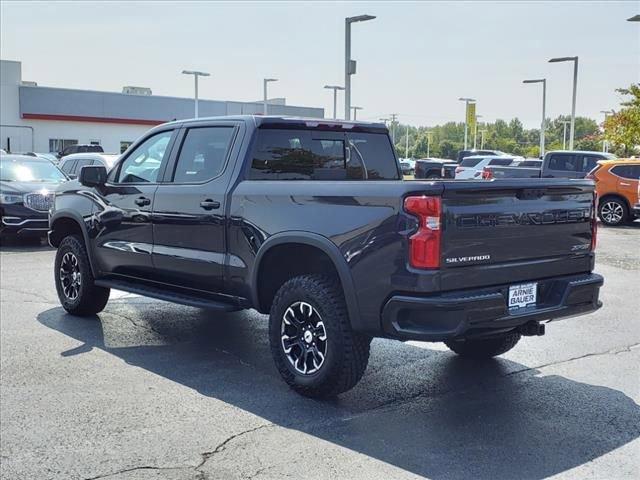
564,134
482,132
393,116
406,145
429,144
475,133
605,144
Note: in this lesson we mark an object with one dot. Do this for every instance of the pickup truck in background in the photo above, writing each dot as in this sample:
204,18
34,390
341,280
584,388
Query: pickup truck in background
310,222
557,164
433,168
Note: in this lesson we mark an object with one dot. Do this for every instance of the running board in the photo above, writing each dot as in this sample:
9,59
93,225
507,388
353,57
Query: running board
191,300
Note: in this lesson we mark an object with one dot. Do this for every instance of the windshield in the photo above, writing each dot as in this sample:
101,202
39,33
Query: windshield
30,171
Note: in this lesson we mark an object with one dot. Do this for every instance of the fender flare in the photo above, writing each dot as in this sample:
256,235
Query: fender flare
330,249
77,218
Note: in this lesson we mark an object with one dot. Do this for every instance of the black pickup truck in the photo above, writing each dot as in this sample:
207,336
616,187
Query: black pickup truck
311,222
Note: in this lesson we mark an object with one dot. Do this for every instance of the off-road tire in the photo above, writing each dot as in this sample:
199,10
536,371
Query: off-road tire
90,298
347,352
485,347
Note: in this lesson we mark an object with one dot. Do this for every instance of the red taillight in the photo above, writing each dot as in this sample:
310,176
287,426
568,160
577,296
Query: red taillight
424,245
594,222
487,174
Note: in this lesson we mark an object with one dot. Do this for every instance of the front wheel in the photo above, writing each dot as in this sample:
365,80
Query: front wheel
484,347
312,343
75,285
613,211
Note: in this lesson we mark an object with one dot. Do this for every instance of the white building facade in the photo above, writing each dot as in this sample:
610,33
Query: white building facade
45,119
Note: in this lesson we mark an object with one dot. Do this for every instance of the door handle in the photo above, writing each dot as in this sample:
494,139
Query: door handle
142,201
209,204
625,184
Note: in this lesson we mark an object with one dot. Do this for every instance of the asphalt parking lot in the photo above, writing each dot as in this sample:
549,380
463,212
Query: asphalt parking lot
151,390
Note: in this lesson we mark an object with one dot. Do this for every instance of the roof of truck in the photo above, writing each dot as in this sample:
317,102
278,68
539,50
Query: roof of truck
273,121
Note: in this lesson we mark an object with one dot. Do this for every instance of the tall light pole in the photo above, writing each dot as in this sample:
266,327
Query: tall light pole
355,111
543,81
335,89
575,89
406,143
635,18
394,117
196,74
350,65
564,133
475,133
429,144
264,91
466,101
482,132
605,144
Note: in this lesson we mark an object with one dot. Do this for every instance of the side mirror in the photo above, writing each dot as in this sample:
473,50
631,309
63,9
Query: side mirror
93,175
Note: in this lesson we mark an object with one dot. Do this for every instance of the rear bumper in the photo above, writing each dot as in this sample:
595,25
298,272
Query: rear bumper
636,210
479,312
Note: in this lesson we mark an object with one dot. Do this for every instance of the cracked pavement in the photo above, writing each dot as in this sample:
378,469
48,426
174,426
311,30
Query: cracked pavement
150,390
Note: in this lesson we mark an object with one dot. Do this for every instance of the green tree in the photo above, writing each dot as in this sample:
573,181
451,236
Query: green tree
622,129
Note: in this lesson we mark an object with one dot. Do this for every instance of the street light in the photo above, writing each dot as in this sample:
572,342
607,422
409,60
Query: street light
355,110
466,101
475,133
264,89
564,133
575,88
635,18
335,89
605,144
350,65
196,74
543,81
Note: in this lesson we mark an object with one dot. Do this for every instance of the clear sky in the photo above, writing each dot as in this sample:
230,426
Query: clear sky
415,59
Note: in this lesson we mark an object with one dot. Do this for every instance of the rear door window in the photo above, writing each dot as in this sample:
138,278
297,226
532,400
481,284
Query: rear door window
203,154
82,162
564,162
67,166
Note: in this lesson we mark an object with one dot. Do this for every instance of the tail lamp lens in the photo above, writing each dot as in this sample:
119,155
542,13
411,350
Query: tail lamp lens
424,245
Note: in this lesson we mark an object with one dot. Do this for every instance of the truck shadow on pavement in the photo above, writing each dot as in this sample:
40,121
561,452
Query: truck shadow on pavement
425,411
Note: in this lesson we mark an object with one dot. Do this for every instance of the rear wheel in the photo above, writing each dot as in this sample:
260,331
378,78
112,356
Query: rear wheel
613,211
75,285
484,347
312,343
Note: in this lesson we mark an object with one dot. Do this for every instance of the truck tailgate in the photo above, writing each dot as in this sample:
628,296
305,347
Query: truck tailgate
515,224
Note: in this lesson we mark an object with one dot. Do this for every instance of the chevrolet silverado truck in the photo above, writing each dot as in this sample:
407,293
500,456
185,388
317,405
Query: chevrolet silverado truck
310,222
556,164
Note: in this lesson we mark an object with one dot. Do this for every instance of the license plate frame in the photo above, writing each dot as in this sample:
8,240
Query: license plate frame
522,296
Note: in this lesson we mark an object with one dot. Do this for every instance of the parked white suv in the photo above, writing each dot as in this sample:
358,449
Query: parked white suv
471,167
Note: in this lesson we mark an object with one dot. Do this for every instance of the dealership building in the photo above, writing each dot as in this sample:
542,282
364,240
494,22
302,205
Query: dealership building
45,119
